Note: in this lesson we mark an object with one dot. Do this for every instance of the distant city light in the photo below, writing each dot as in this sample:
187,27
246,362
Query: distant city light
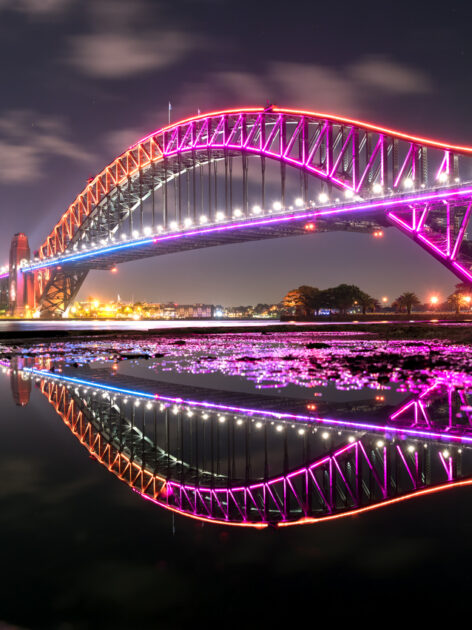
299,202
220,216
277,206
203,219
349,194
408,183
323,198
256,209
238,212
377,188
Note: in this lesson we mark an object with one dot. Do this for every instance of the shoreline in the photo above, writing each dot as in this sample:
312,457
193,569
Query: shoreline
459,331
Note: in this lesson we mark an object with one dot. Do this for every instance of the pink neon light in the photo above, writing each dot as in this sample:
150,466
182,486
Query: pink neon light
404,165
265,413
401,221
432,245
461,269
310,520
367,206
311,114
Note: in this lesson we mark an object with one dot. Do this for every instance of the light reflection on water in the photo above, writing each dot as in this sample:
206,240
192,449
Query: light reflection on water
157,325
257,429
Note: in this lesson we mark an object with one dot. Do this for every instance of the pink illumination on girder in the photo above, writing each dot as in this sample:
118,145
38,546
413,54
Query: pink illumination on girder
309,520
372,205
260,503
311,114
356,425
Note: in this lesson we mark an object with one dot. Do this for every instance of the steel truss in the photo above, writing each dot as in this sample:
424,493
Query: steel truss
365,473
357,158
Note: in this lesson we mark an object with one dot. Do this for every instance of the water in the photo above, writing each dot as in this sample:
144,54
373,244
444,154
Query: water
215,469
152,325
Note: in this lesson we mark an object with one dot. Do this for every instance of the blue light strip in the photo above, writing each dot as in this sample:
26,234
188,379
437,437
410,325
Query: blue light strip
355,426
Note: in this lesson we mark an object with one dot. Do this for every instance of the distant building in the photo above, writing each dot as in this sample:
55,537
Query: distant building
194,311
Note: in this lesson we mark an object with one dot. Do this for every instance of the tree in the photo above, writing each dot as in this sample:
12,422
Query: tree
462,296
407,300
301,301
367,302
342,297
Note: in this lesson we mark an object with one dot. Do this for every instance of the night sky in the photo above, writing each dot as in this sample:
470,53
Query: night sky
82,79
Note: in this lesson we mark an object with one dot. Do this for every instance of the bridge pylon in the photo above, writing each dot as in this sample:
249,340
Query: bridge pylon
21,289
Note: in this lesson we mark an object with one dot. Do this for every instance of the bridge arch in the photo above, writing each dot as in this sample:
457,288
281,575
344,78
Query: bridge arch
168,182
350,477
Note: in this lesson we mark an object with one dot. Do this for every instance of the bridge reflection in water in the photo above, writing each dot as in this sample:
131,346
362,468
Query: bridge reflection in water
248,460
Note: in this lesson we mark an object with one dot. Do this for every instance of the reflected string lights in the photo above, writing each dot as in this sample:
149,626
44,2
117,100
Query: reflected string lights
254,460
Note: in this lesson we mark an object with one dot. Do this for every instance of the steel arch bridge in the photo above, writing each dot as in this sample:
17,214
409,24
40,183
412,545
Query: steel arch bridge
211,179
421,448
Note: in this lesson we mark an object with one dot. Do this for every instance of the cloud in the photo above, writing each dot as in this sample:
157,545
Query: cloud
121,55
389,76
28,141
121,139
345,90
122,42
36,7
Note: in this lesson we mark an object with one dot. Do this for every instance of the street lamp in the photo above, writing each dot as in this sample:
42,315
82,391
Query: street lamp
433,300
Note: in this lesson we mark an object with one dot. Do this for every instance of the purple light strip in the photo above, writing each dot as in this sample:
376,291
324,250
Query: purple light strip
461,269
462,230
432,245
413,433
400,173
357,207
4,275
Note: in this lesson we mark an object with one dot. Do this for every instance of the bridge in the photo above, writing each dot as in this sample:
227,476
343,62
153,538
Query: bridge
248,174
254,461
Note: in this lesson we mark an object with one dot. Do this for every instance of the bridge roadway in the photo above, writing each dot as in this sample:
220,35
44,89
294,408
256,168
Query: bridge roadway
363,215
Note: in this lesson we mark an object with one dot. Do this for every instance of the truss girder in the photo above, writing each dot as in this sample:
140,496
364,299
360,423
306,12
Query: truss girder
355,157
60,289
348,154
360,475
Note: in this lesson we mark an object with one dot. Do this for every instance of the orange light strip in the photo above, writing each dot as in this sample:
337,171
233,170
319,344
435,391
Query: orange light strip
302,112
311,520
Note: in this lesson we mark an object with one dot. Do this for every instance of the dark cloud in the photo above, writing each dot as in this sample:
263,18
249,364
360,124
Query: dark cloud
28,140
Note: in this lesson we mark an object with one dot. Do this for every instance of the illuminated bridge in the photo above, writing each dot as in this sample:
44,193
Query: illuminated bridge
254,461
242,175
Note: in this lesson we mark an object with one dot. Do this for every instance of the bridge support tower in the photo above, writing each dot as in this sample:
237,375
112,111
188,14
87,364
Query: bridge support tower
21,289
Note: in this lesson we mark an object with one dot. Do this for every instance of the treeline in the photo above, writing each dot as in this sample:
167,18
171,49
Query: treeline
306,300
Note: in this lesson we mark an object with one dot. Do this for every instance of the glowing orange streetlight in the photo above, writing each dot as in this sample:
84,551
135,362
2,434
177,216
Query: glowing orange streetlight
434,300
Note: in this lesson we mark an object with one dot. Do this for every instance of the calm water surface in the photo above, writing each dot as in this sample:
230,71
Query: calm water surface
147,482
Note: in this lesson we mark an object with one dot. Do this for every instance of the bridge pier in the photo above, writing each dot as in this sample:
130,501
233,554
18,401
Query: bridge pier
21,285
